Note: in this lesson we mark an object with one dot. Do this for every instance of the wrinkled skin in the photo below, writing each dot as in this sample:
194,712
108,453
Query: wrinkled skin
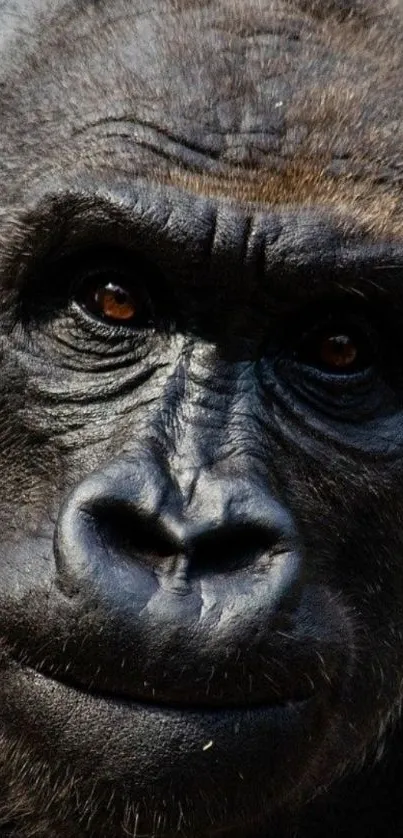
201,400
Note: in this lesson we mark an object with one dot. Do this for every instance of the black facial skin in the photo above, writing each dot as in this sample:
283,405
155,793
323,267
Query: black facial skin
201,419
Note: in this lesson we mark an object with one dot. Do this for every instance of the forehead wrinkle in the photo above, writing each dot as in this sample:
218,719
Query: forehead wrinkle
367,207
332,107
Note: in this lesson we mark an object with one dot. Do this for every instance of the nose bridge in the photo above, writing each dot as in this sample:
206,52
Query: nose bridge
207,415
203,443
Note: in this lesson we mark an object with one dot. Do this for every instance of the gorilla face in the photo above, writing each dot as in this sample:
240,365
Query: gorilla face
201,414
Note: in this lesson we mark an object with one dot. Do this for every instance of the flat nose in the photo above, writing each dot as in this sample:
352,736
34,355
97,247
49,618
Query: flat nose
138,514
182,589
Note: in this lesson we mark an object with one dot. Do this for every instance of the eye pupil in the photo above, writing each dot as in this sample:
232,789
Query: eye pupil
114,302
338,351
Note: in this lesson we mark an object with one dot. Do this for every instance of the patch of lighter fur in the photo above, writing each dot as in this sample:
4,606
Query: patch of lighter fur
371,208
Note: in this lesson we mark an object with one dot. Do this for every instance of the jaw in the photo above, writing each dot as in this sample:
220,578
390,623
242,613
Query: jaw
100,765
195,771
106,766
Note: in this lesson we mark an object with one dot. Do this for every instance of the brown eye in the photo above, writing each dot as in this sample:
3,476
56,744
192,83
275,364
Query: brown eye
113,302
338,351
122,290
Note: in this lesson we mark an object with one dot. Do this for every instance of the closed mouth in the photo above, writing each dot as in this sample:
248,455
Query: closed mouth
157,701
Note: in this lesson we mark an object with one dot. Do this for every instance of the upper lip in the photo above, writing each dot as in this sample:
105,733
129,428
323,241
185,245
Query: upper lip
149,696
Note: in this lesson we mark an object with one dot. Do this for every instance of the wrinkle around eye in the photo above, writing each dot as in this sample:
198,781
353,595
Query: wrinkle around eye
348,399
70,390
97,348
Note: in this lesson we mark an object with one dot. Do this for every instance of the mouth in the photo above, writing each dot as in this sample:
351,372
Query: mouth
156,700
98,720
153,751
150,697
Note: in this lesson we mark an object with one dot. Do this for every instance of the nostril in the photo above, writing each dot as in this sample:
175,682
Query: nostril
127,529
231,547
130,531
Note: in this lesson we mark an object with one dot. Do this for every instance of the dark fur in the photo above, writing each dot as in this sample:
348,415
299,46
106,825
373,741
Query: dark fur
246,158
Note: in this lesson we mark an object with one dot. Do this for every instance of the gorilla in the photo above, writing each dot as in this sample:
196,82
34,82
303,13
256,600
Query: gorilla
201,418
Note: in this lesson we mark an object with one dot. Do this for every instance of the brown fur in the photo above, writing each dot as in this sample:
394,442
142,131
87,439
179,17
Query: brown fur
339,135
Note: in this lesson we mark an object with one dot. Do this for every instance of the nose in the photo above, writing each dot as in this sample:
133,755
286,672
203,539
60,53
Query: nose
170,591
134,515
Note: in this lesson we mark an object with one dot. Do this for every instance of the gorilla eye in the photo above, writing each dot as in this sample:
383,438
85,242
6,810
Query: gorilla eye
114,300
337,351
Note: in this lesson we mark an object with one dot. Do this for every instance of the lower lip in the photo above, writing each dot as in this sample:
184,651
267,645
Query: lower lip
45,704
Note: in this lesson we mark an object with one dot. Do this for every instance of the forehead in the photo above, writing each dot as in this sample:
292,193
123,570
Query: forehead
272,101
